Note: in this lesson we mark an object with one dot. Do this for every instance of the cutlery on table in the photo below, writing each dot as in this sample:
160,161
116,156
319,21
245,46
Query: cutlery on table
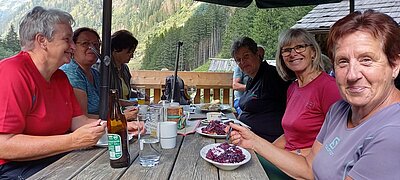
228,135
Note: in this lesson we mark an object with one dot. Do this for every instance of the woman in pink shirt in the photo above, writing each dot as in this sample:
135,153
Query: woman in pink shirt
312,92
309,96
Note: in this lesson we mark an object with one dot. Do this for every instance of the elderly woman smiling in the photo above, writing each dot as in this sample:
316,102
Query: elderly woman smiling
309,97
263,102
360,136
40,117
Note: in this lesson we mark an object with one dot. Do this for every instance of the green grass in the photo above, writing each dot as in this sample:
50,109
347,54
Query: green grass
203,68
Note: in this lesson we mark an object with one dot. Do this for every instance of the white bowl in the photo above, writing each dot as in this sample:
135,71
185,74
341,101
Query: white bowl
224,166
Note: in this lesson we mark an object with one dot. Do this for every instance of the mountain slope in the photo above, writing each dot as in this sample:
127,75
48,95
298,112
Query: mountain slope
144,18
8,9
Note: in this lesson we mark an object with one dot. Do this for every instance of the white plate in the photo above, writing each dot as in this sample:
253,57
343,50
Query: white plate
198,130
207,121
222,107
237,122
105,144
224,166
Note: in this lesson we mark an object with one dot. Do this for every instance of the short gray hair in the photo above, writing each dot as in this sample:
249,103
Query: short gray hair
243,42
40,20
288,36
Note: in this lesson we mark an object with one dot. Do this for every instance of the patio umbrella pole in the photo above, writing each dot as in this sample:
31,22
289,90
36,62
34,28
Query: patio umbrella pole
105,61
178,47
351,2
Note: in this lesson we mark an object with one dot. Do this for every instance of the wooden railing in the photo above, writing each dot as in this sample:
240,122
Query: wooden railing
210,85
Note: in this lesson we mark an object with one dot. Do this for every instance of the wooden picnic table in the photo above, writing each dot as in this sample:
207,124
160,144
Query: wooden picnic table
182,162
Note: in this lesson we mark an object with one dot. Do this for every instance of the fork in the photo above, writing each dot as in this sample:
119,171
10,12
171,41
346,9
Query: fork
228,135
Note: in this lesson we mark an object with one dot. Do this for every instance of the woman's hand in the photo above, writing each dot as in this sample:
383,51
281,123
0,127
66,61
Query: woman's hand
88,134
131,113
124,102
242,136
134,127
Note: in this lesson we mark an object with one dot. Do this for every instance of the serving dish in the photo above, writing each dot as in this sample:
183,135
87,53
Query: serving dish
225,166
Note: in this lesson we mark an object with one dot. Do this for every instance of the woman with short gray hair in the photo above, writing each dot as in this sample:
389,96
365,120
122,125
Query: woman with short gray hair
40,117
263,102
40,20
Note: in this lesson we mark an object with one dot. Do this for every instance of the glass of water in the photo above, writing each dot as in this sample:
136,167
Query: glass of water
192,91
149,154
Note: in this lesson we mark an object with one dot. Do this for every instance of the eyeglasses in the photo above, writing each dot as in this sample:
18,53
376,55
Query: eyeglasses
86,44
245,57
298,49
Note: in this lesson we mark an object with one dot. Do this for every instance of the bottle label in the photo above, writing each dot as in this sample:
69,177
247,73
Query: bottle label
151,125
173,117
114,146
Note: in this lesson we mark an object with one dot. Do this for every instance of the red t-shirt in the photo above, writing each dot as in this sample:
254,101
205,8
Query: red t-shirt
306,109
31,105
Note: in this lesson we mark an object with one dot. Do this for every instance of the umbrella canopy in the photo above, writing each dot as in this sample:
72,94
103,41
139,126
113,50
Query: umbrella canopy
269,3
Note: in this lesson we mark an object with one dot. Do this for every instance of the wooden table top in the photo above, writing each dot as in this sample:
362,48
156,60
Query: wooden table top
182,162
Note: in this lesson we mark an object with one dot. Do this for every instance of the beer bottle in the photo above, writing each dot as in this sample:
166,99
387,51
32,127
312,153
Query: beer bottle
118,141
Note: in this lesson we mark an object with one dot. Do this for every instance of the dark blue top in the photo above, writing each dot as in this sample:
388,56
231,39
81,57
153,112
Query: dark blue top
264,101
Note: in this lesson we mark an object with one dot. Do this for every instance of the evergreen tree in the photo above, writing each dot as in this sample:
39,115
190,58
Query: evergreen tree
262,25
10,44
4,52
11,41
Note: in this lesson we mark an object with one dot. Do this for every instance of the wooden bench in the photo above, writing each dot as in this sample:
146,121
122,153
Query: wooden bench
210,85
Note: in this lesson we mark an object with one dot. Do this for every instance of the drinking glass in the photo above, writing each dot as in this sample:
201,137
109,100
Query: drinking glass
192,91
149,154
141,95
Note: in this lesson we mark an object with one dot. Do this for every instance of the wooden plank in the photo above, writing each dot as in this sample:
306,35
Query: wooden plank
250,170
189,164
147,91
200,79
101,169
160,171
226,96
217,93
206,95
182,162
197,98
70,164
157,95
